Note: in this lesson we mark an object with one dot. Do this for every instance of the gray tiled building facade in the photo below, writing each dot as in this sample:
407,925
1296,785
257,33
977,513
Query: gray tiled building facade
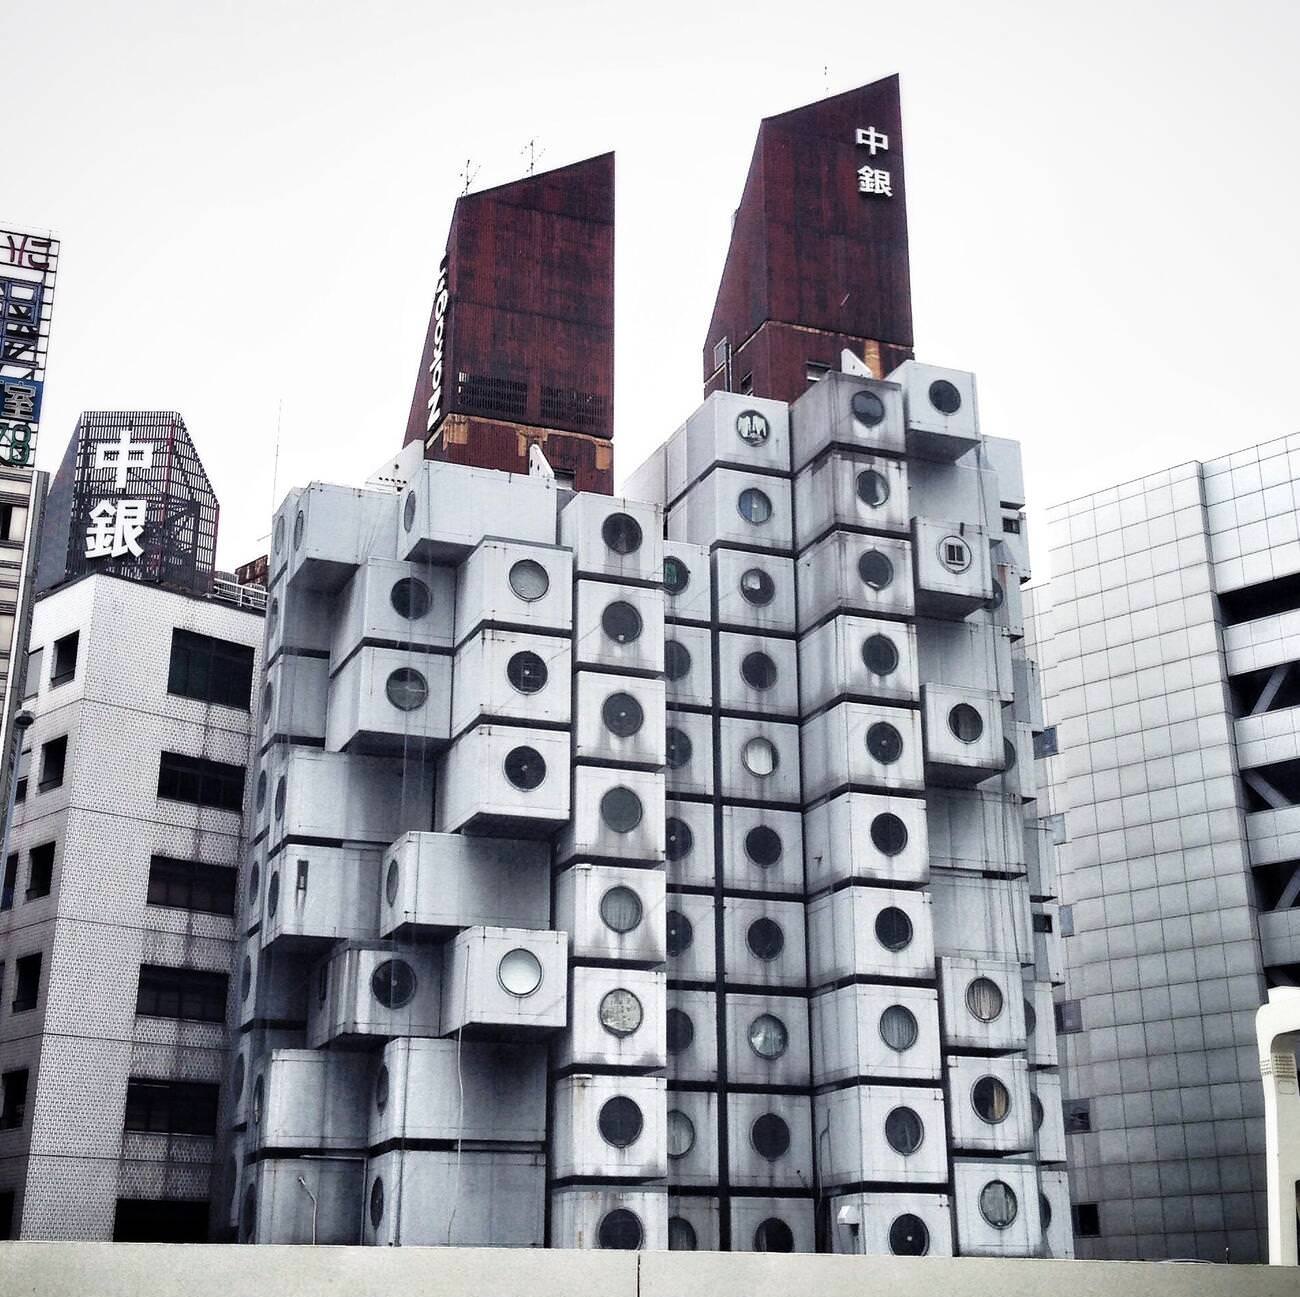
1170,759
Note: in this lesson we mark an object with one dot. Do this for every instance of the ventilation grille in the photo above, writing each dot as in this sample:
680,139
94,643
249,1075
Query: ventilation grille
566,407
501,398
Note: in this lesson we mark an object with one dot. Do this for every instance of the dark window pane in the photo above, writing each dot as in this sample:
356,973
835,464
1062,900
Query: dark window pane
181,993
198,780
210,670
191,885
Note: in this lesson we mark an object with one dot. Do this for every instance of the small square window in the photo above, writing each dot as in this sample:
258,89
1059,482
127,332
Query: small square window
1042,923
1045,743
1011,524
13,1099
1078,1116
1087,1220
28,982
64,666
40,871
54,755
1069,1017
747,385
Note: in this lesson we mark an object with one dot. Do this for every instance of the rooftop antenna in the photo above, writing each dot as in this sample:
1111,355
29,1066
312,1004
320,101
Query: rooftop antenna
275,467
534,153
467,174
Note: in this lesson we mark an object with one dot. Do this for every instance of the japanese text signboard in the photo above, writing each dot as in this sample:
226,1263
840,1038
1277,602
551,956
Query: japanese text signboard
28,264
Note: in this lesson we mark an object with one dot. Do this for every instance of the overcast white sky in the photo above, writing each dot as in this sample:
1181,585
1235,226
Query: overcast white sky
253,196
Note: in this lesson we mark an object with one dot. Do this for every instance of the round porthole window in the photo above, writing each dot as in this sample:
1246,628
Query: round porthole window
620,808
944,396
1036,1110
998,1204
408,511
528,580
622,715
678,838
620,1230
879,655
620,1121
237,1082
893,928
677,744
268,699
620,1012
888,833
760,757
681,1133
765,939
966,723
677,576
904,1131
677,660
884,743
768,1037
246,978
621,622
393,983
867,407
278,545
381,1088
873,489
254,885
680,932
527,672
1008,756
407,689
622,533
390,882
273,895
757,587
261,789
299,529
411,599
774,1235
875,569
281,795
763,846
954,554
681,1234
519,972
908,1236
984,999
770,1136
758,671
991,1100
1031,1019
525,768
620,909
999,596
754,506
1044,1212
377,1202
681,1031
898,1028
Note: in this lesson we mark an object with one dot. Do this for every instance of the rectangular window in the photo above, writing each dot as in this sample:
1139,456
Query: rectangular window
64,666
1078,1116
815,371
1087,1220
28,982
1042,923
190,993
1011,524
747,385
211,670
32,674
1069,1017
1045,743
203,782
40,871
10,881
54,756
13,1099
191,885
171,1107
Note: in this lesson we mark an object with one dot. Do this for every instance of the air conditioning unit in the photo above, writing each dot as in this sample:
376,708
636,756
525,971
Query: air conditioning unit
271,1206
455,1198
996,1208
628,1219
988,1104
865,836
458,1090
693,1224
976,831
511,676
390,702
846,412
449,508
772,1225
609,1127
692,1137
688,843
762,849
891,1224
688,750
1048,1116
374,991
1040,1025
755,591
294,699
297,621
885,1134
1028,709
767,1040
517,586
619,719
316,895
1040,856
850,573
875,1031
770,1141
619,627
1047,942
733,507
939,408
857,492
760,760
507,982
860,658
692,1037
612,913
745,432
616,1020
764,942
507,780
970,654
691,950
953,566
1054,1214
688,666
982,1005
870,932
862,745
310,1099
759,674
964,491
611,537
324,533
688,582
434,884
618,814
981,918
1012,544
395,605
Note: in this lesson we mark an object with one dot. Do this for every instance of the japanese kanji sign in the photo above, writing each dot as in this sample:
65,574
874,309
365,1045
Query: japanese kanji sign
116,526
28,264
871,178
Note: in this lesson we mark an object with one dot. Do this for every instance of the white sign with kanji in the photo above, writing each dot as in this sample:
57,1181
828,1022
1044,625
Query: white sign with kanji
872,179
115,528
